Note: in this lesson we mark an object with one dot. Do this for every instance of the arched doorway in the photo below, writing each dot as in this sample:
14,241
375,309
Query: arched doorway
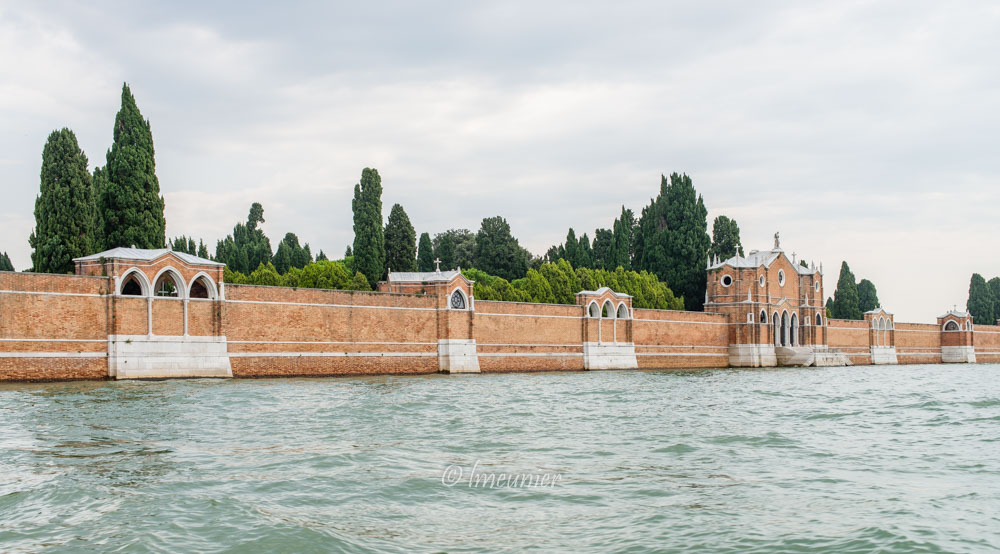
794,331
784,328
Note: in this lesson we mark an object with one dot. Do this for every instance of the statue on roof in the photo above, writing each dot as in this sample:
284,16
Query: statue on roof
777,241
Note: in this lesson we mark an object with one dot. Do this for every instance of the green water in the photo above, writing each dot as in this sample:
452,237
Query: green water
861,459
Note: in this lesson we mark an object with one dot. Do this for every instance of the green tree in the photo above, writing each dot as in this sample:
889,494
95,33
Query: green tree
5,264
845,299
131,205
584,253
994,285
291,254
497,251
99,183
202,250
725,238
425,253
321,257
64,209
248,247
400,241
463,248
603,244
867,296
980,303
570,248
183,244
369,242
672,239
446,252
266,275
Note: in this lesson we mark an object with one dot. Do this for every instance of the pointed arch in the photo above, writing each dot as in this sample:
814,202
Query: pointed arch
162,289
457,300
135,278
202,286
594,310
784,328
622,311
609,310
793,330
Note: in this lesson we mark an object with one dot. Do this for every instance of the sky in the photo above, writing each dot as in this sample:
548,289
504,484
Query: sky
862,131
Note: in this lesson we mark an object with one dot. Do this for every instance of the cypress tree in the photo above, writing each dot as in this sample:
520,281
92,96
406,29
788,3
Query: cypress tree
584,253
462,248
400,241
497,251
202,250
570,248
980,303
131,205
425,253
248,247
321,257
5,264
845,298
369,242
99,183
446,251
726,238
64,209
603,240
867,296
994,285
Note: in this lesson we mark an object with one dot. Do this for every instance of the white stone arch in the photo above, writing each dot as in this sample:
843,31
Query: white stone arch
465,303
951,325
622,312
763,316
784,328
609,309
213,290
144,284
885,331
182,286
793,330
776,328
594,309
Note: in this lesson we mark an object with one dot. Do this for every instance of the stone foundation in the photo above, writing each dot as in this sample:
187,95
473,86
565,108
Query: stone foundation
458,356
958,354
609,356
752,355
883,355
156,357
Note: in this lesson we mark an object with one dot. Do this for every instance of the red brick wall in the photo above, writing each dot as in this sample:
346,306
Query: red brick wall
850,337
987,338
671,339
512,336
204,318
168,317
917,343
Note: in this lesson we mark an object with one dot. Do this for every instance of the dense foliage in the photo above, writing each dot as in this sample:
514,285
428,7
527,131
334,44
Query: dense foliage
726,239
400,241
558,283
317,275
188,246
247,247
64,209
130,204
672,239
498,252
845,303
290,254
5,264
369,241
984,300
425,253
456,248
867,296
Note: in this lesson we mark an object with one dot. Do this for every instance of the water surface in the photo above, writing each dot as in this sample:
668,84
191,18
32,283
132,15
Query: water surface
893,459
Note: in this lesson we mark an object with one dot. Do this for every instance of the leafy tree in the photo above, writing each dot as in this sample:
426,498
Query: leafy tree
463,245
498,252
584,253
290,254
202,250
321,257
622,235
801,262
672,239
845,299
5,264
867,296
183,244
98,184
446,252
131,205
570,248
348,253
994,285
425,253
248,247
603,244
266,275
369,241
400,241
980,303
725,238
536,287
64,209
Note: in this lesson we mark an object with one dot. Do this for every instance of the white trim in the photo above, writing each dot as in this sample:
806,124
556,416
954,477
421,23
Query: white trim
87,294
478,314
336,305
687,322
53,340
213,289
178,283
144,283
465,298
530,354
619,309
333,354
326,342
590,313
54,354
722,280
781,277
607,303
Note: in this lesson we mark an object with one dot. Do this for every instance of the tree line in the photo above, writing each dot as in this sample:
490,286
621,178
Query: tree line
851,299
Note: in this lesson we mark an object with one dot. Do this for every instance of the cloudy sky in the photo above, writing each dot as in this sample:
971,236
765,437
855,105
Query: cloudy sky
864,131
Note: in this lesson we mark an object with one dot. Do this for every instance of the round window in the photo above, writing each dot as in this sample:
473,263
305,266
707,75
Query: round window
761,280
781,277
727,280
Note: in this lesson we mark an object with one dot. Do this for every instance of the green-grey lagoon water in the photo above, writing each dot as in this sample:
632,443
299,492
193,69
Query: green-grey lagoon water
859,459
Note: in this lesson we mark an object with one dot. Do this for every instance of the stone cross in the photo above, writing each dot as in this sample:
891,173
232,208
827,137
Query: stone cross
437,265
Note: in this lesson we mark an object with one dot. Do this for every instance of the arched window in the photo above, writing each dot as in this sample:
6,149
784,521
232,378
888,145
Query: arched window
622,311
763,316
781,277
793,338
458,300
951,326
819,320
202,288
132,286
594,310
784,328
609,310
776,331
166,286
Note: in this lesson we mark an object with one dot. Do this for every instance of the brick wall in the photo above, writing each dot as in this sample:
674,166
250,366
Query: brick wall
513,336
850,337
672,339
987,338
917,343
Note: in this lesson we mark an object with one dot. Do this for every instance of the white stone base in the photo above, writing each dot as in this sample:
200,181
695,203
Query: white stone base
830,358
795,356
457,356
609,355
958,354
882,355
156,357
752,355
